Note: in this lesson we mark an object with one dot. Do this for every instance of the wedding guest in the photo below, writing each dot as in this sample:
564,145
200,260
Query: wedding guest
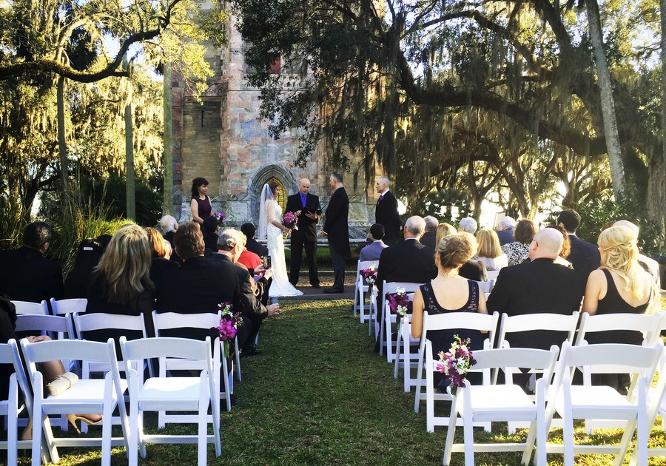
467,225
248,259
209,230
253,245
168,225
200,204
121,282
620,285
26,274
505,230
517,251
87,257
489,250
386,211
430,235
444,230
336,228
372,251
161,264
473,269
584,255
409,260
231,245
200,284
649,264
566,247
449,292
537,286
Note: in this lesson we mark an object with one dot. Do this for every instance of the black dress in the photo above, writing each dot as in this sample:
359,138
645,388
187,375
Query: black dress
441,339
204,207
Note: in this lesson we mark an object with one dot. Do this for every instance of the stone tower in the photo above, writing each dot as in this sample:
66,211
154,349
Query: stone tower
224,139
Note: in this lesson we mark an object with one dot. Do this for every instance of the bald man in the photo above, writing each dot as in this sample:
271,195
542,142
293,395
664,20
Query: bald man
306,207
537,286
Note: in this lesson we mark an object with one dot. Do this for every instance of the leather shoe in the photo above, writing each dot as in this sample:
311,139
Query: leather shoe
333,291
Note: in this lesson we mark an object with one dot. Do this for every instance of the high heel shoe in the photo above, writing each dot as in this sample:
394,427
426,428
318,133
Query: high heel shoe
72,418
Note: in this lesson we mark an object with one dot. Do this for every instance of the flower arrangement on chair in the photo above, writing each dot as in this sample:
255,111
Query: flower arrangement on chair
369,275
456,363
399,303
228,326
289,220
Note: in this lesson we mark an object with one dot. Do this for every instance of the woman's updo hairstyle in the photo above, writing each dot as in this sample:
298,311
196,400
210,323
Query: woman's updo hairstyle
453,251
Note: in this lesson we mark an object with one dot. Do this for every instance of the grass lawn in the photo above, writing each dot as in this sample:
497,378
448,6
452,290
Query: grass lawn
319,395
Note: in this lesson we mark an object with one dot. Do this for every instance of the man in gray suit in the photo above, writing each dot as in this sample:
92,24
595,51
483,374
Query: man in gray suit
372,251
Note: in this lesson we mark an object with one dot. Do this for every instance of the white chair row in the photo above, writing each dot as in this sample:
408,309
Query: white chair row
92,396
508,402
58,307
361,291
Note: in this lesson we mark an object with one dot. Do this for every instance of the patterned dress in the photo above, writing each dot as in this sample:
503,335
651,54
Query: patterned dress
516,252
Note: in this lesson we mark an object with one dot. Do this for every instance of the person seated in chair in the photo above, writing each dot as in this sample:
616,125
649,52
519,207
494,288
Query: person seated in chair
253,245
26,274
430,236
372,251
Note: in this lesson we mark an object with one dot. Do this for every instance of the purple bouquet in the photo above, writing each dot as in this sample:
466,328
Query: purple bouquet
370,275
456,363
289,219
399,303
219,215
228,326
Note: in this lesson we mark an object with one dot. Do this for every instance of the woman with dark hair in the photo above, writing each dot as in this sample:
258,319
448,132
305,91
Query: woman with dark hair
200,204
518,249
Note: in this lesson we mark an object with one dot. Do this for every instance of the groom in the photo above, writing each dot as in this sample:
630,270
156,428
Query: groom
306,207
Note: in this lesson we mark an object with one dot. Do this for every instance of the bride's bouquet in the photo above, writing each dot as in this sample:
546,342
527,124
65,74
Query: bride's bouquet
289,220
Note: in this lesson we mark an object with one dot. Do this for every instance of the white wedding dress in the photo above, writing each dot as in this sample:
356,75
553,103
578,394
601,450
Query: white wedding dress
275,242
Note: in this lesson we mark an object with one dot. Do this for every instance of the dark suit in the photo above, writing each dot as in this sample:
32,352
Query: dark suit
256,247
407,261
26,275
336,227
198,286
540,286
386,213
584,257
305,235
429,238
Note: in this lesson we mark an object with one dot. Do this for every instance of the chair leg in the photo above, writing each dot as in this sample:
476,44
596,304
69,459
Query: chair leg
419,383
381,335
202,433
239,376
468,431
12,421
397,354
133,440
106,433
450,432
642,434
568,439
407,365
37,434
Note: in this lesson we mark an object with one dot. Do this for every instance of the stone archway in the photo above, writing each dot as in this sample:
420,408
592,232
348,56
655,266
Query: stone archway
285,179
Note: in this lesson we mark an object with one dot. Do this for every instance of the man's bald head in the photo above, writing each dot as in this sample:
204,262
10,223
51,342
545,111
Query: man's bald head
547,244
304,185
414,227
382,184
627,224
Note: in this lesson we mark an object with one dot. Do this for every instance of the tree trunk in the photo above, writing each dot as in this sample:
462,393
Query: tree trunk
130,190
611,133
62,144
167,161
656,192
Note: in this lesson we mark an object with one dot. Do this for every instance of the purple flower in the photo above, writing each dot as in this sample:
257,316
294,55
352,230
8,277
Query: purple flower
219,215
289,219
456,362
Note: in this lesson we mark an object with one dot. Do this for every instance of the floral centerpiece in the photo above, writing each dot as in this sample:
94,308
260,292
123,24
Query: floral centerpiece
399,303
228,326
369,275
456,363
289,220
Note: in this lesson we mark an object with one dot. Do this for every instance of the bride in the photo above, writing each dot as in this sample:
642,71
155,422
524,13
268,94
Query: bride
271,228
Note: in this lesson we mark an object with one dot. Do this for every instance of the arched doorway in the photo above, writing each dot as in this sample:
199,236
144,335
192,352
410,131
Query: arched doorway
285,180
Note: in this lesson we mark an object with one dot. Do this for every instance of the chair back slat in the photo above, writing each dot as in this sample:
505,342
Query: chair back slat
44,323
466,320
362,265
539,321
73,350
68,306
167,347
28,308
171,320
516,358
393,287
101,321
486,286
644,323
611,357
6,355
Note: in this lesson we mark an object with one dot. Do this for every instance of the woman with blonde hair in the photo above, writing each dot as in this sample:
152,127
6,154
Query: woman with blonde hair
490,251
620,285
121,281
444,230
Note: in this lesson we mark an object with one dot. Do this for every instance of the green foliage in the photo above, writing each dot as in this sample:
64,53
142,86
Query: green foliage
601,212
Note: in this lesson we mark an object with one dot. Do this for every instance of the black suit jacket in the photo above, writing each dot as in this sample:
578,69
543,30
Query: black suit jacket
336,225
306,226
429,238
26,275
407,261
198,286
584,257
540,286
256,247
386,213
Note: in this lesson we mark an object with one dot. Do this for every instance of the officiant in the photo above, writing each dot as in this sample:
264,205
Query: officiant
306,207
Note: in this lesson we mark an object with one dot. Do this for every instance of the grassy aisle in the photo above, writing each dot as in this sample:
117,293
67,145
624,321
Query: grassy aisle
318,395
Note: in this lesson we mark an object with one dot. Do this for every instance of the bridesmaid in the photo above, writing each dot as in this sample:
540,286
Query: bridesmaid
200,204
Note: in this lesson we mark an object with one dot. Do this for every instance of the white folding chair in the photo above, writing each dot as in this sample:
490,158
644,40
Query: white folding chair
492,275
171,393
26,307
361,288
603,402
373,318
173,320
84,397
648,325
388,319
447,321
505,402
406,358
68,306
486,286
